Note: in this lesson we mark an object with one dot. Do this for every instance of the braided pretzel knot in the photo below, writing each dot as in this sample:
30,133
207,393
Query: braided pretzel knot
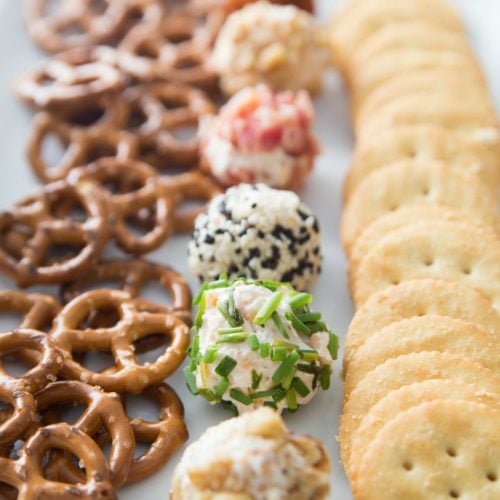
19,391
103,410
133,324
190,186
81,145
71,80
132,276
36,223
138,188
27,475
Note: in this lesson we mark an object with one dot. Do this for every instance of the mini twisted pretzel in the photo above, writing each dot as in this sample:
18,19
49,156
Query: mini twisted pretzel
190,186
39,310
81,145
133,324
177,50
91,25
138,188
40,227
27,474
71,80
132,276
103,410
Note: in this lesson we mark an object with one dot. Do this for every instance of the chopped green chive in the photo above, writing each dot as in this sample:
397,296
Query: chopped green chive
191,380
299,300
285,367
308,354
235,320
201,310
275,391
220,283
325,377
317,326
300,387
232,338
271,404
279,353
209,395
253,342
228,405
221,386
288,345
279,324
226,366
309,317
267,309
200,293
241,397
256,379
311,368
287,381
236,329
231,307
333,345
265,349
279,395
291,399
210,355
297,324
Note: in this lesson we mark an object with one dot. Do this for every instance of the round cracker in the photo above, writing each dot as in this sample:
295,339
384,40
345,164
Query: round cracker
425,333
416,82
424,142
359,20
439,450
406,370
435,249
411,214
418,298
443,110
412,182
408,397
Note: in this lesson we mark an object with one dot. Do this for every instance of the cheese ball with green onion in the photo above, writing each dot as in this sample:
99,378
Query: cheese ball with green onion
258,343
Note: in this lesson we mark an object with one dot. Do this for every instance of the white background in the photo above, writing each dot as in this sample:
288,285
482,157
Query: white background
322,193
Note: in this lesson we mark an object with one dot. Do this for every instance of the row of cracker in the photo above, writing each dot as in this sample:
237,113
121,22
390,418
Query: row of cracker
420,227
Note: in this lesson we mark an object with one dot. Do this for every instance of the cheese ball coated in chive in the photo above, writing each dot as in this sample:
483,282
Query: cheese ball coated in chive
258,343
257,232
253,456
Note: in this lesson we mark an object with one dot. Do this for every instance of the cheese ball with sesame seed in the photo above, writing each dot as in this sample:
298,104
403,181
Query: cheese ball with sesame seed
257,232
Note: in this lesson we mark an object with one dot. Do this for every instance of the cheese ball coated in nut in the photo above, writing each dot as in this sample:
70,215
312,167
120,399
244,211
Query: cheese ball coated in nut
253,456
281,46
257,232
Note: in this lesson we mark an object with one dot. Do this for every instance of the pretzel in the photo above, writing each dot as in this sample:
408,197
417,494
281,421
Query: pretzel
27,474
190,186
93,26
232,5
177,50
132,276
81,145
39,227
103,410
138,189
133,324
71,80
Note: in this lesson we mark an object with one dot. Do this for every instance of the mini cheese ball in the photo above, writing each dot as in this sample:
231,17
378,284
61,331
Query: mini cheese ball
258,343
259,136
253,457
279,45
257,232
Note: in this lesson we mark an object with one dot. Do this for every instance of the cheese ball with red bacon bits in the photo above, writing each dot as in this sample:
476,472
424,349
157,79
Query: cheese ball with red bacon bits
259,136
257,232
279,45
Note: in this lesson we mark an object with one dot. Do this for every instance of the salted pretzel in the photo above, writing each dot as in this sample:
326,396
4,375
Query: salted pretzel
39,227
103,411
71,80
27,474
231,5
136,188
81,145
132,276
187,187
176,50
133,324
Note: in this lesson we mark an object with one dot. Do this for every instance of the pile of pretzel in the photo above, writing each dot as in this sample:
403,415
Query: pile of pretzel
37,447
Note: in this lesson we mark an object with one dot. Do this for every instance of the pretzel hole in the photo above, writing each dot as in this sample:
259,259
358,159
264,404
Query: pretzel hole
100,317
54,148
142,407
98,6
136,118
14,364
68,208
147,50
50,7
48,472
72,30
8,491
96,361
68,412
155,292
62,252
170,103
178,37
150,348
13,239
10,320
86,117
185,133
188,63
99,150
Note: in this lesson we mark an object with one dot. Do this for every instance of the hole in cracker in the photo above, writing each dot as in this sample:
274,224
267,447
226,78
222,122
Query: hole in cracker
407,466
454,494
451,452
491,476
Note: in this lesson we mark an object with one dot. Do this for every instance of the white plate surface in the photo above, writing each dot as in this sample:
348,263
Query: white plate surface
322,193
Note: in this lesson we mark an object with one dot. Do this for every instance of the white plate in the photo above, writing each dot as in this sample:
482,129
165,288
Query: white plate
323,194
